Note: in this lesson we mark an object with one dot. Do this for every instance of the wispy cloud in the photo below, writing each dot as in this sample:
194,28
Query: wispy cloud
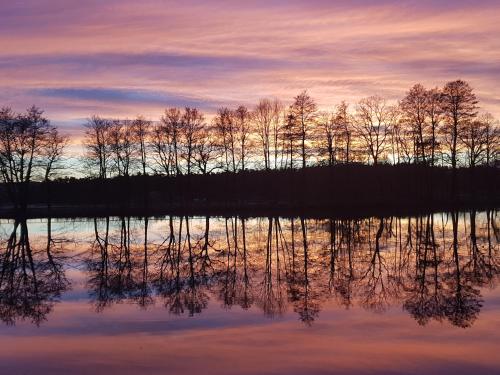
125,57
126,96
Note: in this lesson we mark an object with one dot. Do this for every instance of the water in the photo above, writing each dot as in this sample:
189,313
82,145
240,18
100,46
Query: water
204,295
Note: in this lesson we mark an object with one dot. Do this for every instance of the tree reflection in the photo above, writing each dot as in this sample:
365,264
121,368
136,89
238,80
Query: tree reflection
433,265
181,279
31,279
463,300
425,298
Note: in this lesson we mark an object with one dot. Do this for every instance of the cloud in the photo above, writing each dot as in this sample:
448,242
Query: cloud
124,96
124,57
150,59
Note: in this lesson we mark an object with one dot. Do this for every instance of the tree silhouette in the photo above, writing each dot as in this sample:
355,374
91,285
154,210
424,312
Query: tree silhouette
304,110
459,107
373,125
30,148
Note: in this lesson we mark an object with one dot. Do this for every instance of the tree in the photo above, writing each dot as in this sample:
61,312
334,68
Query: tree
242,119
473,135
303,110
206,151
262,115
289,137
226,132
53,152
276,128
171,129
161,146
373,125
141,132
401,142
97,145
29,148
327,147
459,107
123,147
434,109
414,111
476,137
492,141
342,130
192,127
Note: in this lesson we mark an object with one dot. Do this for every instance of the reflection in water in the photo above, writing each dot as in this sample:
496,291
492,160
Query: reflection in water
31,280
433,265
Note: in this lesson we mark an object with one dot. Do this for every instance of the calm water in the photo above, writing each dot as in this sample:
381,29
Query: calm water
203,295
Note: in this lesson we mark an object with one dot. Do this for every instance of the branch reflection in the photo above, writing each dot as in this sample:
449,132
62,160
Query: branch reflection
434,266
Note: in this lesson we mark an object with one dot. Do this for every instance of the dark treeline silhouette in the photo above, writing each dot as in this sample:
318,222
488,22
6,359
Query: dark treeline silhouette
433,265
345,190
428,127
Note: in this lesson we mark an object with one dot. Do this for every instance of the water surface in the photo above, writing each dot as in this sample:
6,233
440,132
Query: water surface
187,295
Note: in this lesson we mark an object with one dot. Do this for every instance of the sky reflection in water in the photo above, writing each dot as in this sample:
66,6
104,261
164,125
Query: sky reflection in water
263,295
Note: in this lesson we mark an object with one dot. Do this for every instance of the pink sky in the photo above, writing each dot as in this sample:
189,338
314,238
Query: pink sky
123,58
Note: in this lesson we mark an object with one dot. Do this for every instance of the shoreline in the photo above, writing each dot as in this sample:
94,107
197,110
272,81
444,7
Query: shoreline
339,191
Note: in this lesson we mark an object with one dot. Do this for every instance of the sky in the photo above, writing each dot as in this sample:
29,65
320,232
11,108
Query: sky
125,57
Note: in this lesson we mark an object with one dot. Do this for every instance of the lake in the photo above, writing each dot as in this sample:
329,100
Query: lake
215,295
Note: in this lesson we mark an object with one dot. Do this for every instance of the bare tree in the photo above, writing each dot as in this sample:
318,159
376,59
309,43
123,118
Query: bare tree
414,111
172,125
97,145
492,138
123,147
25,142
276,128
303,110
476,138
326,144
401,142
207,151
263,116
472,134
290,137
161,146
242,119
459,107
343,130
53,152
192,126
373,125
434,108
141,131
224,124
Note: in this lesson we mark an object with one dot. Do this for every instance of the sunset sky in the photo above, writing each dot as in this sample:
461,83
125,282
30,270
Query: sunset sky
124,57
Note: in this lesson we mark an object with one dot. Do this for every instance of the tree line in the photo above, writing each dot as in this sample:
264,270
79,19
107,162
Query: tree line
435,127
428,126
